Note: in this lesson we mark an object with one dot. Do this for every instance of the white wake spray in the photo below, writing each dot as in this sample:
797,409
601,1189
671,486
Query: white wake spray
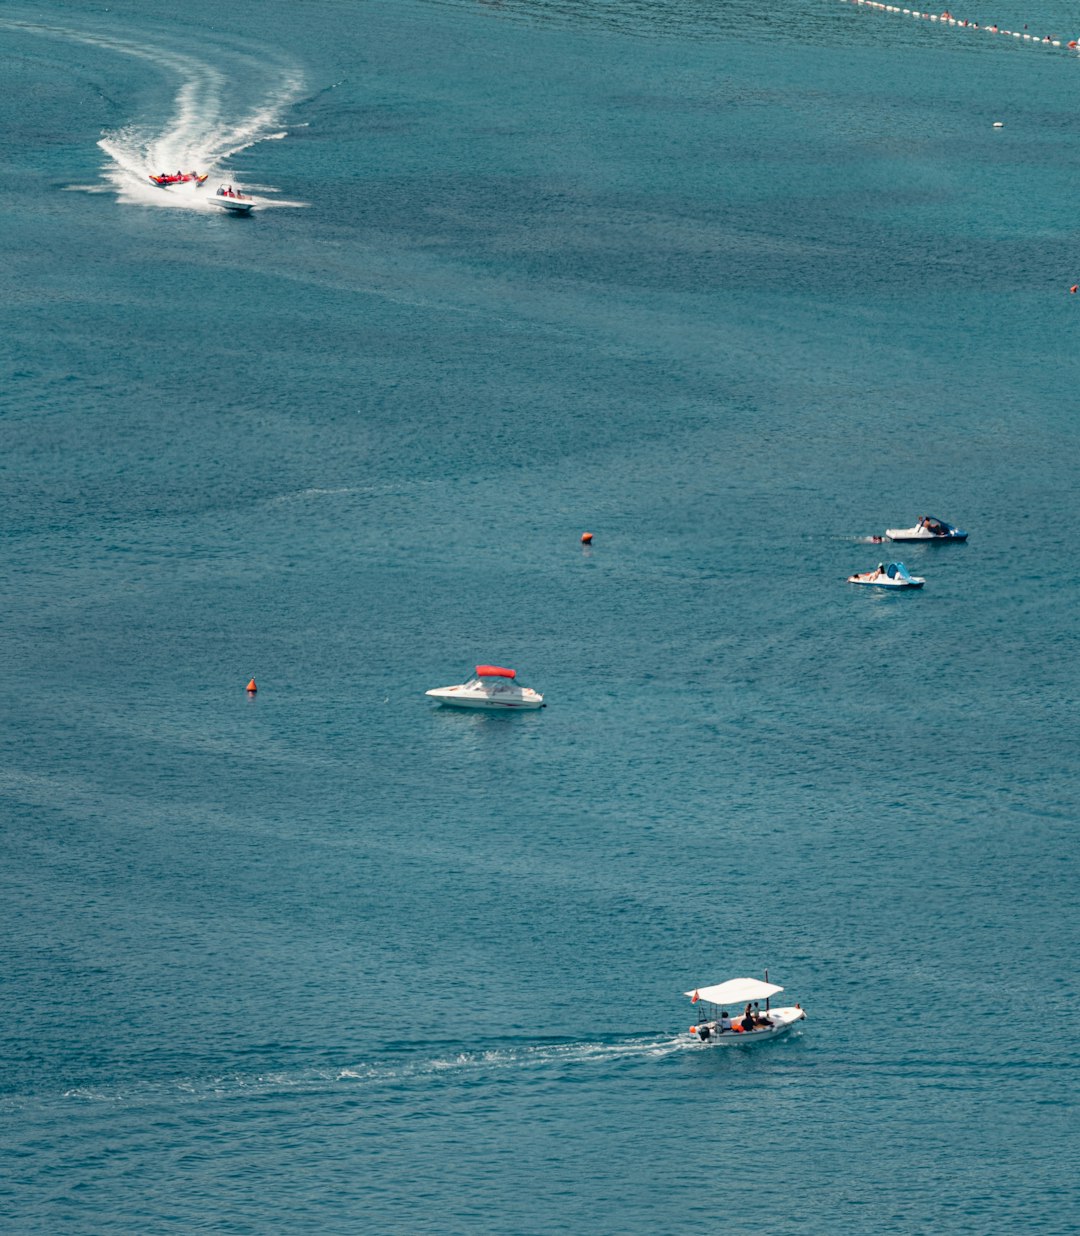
417,1069
206,126
519,1058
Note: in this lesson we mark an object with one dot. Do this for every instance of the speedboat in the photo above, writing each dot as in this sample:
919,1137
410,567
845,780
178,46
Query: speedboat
235,202
895,575
928,528
492,687
748,1022
180,178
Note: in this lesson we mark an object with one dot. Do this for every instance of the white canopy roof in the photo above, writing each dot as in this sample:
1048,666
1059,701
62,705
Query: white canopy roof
736,991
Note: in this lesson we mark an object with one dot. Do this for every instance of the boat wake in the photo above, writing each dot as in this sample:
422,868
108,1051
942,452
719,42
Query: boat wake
214,116
411,1068
520,1057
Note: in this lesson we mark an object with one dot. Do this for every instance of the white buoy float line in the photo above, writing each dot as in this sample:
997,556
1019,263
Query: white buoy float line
945,18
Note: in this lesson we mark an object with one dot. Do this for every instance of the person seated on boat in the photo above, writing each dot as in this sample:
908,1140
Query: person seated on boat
725,1021
760,1018
748,1019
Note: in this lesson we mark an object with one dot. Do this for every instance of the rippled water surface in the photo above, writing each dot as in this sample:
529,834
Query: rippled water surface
732,288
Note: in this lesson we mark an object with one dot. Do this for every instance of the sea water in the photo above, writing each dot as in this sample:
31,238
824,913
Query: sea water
734,288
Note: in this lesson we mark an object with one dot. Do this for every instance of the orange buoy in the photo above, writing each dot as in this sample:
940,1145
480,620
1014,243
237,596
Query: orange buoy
1075,288
586,538
251,687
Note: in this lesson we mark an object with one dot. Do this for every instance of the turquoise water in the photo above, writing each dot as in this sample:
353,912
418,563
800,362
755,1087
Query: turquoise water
732,290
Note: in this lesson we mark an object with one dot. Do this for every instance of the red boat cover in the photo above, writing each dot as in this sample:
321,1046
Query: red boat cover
494,671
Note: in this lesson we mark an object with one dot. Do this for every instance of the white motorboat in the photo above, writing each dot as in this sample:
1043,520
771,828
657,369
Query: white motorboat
492,687
746,1022
928,528
232,200
895,575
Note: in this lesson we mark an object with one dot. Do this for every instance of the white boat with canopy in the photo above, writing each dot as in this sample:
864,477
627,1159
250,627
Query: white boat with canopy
734,1014
493,688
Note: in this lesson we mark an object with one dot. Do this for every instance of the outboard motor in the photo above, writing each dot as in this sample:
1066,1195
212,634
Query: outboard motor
704,1033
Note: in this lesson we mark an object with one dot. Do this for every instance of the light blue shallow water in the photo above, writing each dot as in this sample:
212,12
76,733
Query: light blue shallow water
730,289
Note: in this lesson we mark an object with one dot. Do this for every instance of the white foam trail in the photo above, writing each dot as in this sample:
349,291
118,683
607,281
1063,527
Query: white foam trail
412,1067
529,1057
203,130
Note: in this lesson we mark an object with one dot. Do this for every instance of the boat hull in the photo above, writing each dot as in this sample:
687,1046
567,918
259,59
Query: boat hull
455,698
919,535
888,584
783,1020
233,206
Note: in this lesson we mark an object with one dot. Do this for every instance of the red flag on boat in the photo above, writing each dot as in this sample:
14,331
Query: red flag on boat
695,997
